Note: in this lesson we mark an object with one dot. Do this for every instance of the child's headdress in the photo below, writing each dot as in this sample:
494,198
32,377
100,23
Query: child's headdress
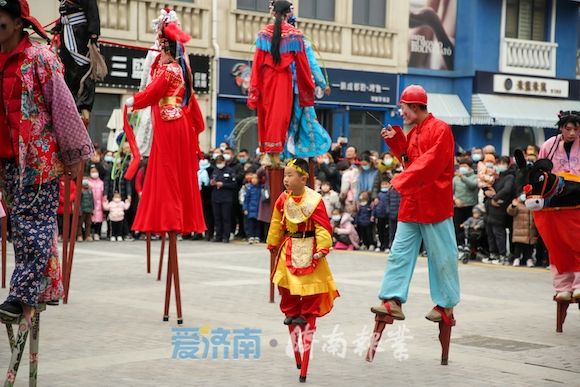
292,164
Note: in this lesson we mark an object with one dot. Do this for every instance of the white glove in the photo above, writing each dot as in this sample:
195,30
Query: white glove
130,101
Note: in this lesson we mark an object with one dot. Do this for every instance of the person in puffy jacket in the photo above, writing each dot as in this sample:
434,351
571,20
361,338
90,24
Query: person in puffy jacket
251,207
344,234
381,215
117,209
524,235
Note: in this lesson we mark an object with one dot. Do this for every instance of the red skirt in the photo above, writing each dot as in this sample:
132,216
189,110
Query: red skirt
171,199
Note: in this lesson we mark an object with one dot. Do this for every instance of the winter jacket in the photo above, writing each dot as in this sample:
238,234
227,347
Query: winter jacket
426,183
381,210
473,223
252,200
368,181
347,228
363,215
465,189
116,209
394,202
331,201
225,194
97,187
87,202
524,229
49,129
328,172
559,157
504,193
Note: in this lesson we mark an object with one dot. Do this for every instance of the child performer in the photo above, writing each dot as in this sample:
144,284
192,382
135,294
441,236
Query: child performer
301,236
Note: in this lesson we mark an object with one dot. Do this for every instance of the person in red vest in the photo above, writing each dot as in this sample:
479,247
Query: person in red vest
426,211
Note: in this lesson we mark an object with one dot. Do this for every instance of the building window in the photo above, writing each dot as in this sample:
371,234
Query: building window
254,5
363,131
102,110
317,9
369,12
520,138
526,19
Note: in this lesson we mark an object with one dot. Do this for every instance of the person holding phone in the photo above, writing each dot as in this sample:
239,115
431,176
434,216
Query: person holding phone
426,210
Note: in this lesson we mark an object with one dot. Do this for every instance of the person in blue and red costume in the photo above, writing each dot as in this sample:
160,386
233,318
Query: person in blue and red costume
171,200
279,45
301,236
426,212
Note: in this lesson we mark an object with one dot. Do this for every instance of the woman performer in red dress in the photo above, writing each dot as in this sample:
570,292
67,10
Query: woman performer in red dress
278,47
171,199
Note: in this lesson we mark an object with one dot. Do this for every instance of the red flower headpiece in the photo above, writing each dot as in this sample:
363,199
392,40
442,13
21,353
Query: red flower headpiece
172,32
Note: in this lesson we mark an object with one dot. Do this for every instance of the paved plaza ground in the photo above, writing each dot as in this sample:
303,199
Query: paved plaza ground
111,332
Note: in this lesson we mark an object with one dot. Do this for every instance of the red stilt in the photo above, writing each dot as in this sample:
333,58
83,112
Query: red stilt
161,257
4,246
276,181
561,313
73,231
380,322
148,253
311,171
307,335
168,289
175,268
294,339
65,229
445,338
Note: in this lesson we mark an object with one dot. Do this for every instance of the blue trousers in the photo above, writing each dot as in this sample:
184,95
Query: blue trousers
441,248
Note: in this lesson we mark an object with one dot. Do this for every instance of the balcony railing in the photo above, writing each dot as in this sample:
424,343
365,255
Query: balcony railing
528,57
346,43
132,19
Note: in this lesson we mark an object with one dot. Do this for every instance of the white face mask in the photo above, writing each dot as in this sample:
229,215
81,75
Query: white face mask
204,163
220,166
336,218
363,203
523,198
94,175
388,161
325,160
227,157
117,199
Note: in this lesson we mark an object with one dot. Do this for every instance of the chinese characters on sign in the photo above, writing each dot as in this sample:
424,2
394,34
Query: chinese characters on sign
219,343
546,87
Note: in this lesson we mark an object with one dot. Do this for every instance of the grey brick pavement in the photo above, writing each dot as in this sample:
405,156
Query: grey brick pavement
111,333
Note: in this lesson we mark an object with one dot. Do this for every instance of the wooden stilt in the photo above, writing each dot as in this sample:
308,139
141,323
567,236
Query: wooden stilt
148,253
445,338
161,257
73,231
65,229
380,322
4,245
168,284
276,181
307,332
294,339
18,343
561,313
175,269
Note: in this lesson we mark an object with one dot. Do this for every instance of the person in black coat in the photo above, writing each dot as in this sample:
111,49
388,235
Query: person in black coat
497,199
326,171
224,183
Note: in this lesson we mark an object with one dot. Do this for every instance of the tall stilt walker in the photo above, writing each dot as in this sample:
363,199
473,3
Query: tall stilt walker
41,137
300,237
426,214
171,201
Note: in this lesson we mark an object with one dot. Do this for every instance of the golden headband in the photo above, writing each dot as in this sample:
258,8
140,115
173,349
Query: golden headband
292,163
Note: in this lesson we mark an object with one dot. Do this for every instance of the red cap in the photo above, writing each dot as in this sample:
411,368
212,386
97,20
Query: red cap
21,9
414,94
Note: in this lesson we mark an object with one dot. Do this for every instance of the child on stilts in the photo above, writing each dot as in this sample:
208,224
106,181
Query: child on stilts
301,236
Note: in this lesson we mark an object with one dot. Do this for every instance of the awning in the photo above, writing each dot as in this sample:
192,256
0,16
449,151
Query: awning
501,110
448,108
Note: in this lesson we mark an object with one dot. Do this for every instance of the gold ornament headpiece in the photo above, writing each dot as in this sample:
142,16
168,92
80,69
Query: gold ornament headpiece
292,163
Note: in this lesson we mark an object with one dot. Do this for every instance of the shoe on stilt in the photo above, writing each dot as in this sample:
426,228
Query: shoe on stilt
11,309
289,320
563,296
299,320
390,308
436,316
576,294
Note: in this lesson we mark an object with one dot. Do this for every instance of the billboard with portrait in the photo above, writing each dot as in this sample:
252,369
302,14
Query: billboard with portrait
432,26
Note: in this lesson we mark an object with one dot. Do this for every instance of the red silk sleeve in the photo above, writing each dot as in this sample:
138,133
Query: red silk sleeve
154,91
397,144
304,80
254,92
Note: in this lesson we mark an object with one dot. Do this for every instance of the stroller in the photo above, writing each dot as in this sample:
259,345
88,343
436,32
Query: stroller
470,246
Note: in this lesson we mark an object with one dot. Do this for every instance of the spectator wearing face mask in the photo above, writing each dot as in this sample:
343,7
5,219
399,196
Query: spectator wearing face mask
206,169
381,216
325,170
330,198
465,192
344,233
224,184
487,174
524,235
368,179
388,164
498,197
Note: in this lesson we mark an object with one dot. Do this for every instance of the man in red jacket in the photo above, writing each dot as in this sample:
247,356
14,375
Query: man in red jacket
426,212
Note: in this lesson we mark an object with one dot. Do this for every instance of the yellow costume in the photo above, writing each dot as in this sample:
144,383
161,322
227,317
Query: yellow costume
299,229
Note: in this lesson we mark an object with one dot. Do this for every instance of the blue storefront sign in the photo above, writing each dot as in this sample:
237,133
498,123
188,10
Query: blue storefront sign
349,87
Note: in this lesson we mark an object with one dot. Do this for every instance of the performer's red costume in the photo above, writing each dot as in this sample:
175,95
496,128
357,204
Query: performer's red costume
171,199
271,90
